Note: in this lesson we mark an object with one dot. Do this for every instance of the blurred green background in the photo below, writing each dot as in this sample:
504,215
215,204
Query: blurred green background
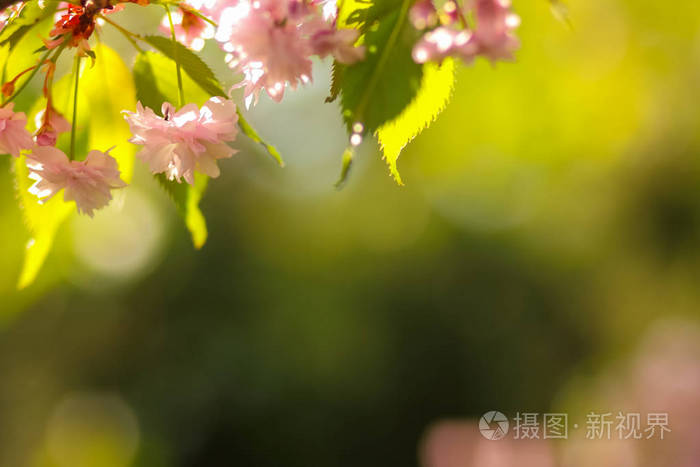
550,221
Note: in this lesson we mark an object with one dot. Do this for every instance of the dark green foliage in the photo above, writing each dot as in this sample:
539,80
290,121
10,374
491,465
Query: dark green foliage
147,91
377,89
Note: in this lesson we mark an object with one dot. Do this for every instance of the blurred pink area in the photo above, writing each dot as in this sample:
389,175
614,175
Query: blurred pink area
662,376
460,444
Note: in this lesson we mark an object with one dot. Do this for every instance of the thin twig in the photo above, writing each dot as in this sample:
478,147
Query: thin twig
181,91
75,107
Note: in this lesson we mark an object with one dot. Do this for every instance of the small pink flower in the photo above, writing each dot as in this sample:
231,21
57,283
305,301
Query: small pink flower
443,42
494,31
492,38
423,14
51,124
339,43
189,140
190,29
88,183
14,137
450,12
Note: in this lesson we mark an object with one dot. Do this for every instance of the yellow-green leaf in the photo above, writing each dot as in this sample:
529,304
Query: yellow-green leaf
194,219
42,221
346,8
108,88
434,94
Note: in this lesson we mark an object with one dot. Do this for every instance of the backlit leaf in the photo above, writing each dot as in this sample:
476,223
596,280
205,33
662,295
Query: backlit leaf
109,87
190,62
30,15
378,88
186,199
42,222
434,94
156,82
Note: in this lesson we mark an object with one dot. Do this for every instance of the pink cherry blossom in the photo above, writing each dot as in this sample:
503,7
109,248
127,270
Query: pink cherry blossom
50,124
88,183
494,32
266,46
190,29
189,140
423,14
443,42
492,38
339,43
14,137
271,42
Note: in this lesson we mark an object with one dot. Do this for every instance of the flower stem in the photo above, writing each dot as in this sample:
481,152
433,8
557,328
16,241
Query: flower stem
24,84
181,92
200,16
75,108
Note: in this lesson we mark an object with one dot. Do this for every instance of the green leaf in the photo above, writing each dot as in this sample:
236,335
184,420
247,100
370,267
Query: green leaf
348,10
250,132
42,222
156,82
190,62
186,199
348,156
434,94
147,77
378,88
106,86
30,15
336,81
21,41
147,91
109,88
18,34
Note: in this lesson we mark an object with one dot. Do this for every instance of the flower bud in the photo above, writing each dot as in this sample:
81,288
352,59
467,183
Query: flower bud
423,14
8,88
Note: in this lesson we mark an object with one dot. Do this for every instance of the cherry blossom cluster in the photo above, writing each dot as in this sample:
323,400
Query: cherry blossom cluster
451,35
270,42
